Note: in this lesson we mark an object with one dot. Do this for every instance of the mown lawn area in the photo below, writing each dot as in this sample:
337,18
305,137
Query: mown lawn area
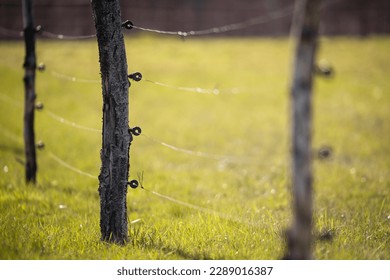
216,167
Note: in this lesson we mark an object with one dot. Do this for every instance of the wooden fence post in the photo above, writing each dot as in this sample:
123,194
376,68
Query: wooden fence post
29,87
116,137
299,236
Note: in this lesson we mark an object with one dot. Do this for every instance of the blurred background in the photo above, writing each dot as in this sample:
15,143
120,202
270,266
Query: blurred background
74,17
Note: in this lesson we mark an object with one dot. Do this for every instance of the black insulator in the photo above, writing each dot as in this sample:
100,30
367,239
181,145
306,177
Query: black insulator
136,131
40,145
128,24
133,184
39,29
41,67
39,106
137,76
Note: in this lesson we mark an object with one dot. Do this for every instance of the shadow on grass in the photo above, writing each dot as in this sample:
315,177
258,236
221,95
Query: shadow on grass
148,239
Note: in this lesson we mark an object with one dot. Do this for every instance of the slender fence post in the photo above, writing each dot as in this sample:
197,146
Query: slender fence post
116,136
29,87
299,236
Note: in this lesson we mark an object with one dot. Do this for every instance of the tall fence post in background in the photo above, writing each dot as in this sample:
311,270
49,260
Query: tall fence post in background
29,86
116,136
299,236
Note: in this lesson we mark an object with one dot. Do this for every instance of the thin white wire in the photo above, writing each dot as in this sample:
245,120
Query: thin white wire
234,26
172,147
51,35
199,153
171,199
67,165
72,78
214,91
199,208
225,28
12,33
11,100
52,115
10,135
70,123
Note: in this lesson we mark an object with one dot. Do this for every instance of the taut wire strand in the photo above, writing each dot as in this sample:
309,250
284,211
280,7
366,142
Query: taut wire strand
198,208
70,123
74,169
225,28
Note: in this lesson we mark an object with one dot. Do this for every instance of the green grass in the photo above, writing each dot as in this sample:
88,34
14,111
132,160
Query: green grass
244,203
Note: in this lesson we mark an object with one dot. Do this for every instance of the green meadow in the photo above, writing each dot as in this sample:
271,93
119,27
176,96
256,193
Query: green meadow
215,164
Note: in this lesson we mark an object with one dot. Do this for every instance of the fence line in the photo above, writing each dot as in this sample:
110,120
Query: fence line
51,35
199,153
222,29
165,197
229,27
229,158
72,78
199,208
162,196
214,91
209,31
10,32
11,101
70,123
64,164
10,135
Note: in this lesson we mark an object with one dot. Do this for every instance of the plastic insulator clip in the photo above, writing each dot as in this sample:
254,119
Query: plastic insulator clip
324,70
137,76
39,29
136,131
128,24
41,67
40,145
133,184
39,106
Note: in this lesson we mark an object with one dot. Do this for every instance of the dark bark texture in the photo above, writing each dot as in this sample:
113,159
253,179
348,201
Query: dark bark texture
299,237
116,137
29,89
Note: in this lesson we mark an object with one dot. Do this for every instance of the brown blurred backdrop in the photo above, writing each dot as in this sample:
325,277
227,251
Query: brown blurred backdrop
74,17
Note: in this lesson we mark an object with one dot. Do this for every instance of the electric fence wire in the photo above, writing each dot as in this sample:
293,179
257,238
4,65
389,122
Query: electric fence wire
199,208
71,167
10,32
226,158
271,16
213,30
165,197
225,28
72,78
63,163
214,91
62,120
51,35
205,210
10,135
70,123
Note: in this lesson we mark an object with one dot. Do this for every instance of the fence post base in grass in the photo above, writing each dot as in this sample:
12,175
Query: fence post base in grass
29,88
116,137
299,237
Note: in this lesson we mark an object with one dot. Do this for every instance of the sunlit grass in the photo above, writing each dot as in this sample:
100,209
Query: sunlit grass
238,205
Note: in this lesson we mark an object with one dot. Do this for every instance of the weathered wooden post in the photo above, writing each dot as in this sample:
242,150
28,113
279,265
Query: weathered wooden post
299,236
116,136
29,88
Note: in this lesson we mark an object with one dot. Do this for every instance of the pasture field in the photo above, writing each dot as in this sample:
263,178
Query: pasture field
221,189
